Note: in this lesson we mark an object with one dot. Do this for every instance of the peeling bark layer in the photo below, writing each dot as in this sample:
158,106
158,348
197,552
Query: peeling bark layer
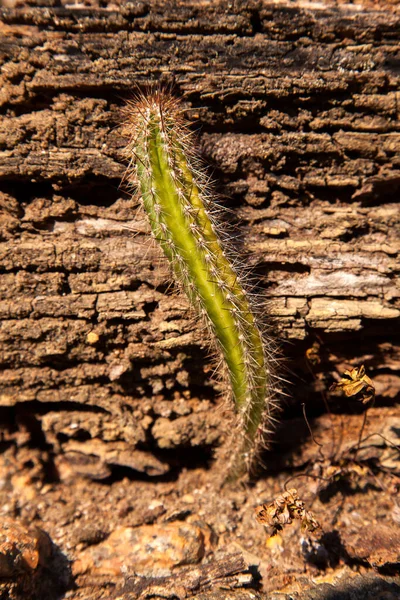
298,114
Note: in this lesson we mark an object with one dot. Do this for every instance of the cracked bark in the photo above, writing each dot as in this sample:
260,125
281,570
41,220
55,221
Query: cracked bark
298,114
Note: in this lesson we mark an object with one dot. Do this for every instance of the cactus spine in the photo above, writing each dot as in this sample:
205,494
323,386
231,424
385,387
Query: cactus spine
177,200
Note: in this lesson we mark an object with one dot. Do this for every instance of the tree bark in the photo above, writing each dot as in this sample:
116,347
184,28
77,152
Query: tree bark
297,110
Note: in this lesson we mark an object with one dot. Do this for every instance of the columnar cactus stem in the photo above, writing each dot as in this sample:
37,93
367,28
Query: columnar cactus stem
177,201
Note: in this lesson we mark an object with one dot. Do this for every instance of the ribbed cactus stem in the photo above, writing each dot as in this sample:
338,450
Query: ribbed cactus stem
180,210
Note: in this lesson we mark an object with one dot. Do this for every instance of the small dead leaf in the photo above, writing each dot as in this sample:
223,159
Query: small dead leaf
355,382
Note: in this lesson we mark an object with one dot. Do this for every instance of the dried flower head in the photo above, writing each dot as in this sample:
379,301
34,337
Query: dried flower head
283,510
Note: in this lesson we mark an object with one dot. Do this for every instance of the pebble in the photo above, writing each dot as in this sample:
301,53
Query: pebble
23,548
188,499
154,549
92,337
376,544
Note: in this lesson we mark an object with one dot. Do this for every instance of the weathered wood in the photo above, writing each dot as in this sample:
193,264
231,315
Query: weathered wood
228,573
298,114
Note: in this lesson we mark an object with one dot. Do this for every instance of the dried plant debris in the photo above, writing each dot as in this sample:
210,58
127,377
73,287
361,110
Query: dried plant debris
283,510
313,354
343,469
355,382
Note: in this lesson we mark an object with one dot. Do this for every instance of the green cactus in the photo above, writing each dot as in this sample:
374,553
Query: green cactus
177,200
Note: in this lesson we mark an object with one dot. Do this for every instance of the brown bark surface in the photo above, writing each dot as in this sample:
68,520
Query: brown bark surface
297,108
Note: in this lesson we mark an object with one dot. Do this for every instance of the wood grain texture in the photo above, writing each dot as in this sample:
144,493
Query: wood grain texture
298,116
